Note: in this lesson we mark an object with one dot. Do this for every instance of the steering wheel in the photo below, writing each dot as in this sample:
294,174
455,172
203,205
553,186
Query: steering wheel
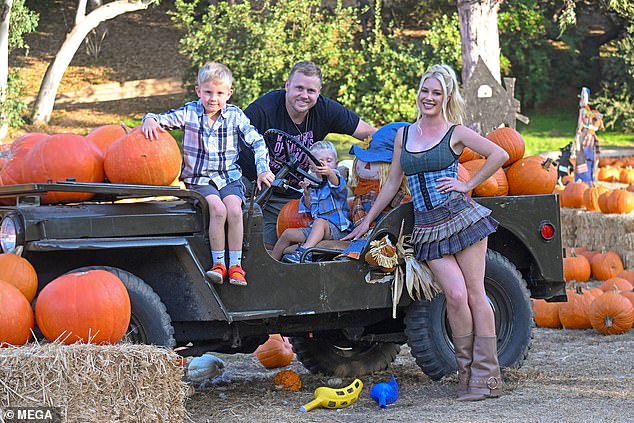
291,165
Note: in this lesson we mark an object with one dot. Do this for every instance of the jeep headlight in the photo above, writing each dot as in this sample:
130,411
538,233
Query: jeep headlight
8,234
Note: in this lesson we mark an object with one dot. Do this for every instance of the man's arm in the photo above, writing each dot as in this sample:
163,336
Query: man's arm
363,130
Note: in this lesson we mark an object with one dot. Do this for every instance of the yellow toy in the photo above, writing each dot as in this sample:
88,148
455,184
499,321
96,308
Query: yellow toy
335,398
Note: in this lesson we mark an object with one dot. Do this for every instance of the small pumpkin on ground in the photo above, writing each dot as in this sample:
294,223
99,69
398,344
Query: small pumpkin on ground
546,315
611,313
576,268
277,351
606,265
616,282
287,380
627,274
573,314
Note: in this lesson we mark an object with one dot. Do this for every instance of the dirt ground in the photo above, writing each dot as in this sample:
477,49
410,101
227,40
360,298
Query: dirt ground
569,376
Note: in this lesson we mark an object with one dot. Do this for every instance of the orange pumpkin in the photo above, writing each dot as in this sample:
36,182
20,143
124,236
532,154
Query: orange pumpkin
468,154
63,156
621,201
576,268
275,352
626,274
463,176
288,380
511,141
12,171
290,217
134,159
629,295
532,175
489,187
16,316
606,265
572,196
91,306
20,273
611,313
603,202
591,197
105,135
546,315
616,282
573,314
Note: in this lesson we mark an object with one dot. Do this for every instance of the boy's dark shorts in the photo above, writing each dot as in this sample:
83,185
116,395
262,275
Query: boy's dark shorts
234,188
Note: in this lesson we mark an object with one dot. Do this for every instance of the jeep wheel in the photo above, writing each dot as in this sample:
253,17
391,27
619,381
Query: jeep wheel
344,358
429,336
149,322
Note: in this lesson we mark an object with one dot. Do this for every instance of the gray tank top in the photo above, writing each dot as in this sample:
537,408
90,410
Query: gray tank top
440,156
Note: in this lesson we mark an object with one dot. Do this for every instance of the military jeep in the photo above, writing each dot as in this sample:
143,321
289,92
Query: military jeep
158,245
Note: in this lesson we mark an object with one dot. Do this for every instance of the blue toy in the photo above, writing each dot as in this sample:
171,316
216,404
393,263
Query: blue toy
385,393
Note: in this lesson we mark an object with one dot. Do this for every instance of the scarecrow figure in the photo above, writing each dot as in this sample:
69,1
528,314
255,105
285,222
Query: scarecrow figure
586,141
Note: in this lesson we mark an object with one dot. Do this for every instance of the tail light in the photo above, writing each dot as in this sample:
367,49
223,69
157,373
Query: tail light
547,231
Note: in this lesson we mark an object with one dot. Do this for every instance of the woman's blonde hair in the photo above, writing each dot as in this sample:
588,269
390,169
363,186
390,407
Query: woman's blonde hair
453,103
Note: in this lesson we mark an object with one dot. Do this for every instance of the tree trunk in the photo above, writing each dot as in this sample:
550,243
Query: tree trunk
5,13
45,100
479,36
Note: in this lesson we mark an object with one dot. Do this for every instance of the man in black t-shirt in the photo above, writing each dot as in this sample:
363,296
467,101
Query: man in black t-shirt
301,111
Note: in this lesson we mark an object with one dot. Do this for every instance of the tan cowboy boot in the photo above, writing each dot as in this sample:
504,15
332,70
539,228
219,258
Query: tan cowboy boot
463,347
486,380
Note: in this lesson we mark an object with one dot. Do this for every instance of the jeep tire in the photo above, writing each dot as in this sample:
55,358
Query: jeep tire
356,358
149,321
429,335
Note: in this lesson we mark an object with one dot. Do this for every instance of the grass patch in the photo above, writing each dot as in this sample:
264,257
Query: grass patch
552,130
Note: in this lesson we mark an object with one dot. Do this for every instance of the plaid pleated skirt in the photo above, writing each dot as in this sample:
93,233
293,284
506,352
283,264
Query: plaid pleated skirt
450,227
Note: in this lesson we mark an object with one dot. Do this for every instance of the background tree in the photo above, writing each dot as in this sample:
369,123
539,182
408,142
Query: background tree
84,23
16,20
479,35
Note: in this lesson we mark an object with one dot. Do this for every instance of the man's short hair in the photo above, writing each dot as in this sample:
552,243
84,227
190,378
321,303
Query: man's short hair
307,68
214,71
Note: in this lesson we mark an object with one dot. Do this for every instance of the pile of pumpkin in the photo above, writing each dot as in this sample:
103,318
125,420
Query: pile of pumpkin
277,352
112,151
608,307
519,175
613,169
91,306
599,198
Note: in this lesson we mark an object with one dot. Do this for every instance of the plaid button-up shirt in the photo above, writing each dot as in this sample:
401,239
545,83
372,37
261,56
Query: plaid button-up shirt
329,202
210,153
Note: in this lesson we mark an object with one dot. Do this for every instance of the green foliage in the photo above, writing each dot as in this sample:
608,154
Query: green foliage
261,46
523,41
382,85
442,42
13,108
21,21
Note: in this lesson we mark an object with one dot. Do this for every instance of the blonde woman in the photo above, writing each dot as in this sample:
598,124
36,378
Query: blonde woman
450,229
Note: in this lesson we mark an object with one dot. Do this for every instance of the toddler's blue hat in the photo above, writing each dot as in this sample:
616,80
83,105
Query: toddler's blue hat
381,145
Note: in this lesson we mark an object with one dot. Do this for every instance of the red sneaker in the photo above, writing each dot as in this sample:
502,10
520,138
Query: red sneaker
217,274
237,276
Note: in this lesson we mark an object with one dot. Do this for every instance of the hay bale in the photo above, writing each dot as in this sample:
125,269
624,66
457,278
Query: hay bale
599,231
94,383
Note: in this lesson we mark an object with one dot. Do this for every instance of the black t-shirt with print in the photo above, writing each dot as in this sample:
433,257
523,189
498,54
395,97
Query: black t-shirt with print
269,112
